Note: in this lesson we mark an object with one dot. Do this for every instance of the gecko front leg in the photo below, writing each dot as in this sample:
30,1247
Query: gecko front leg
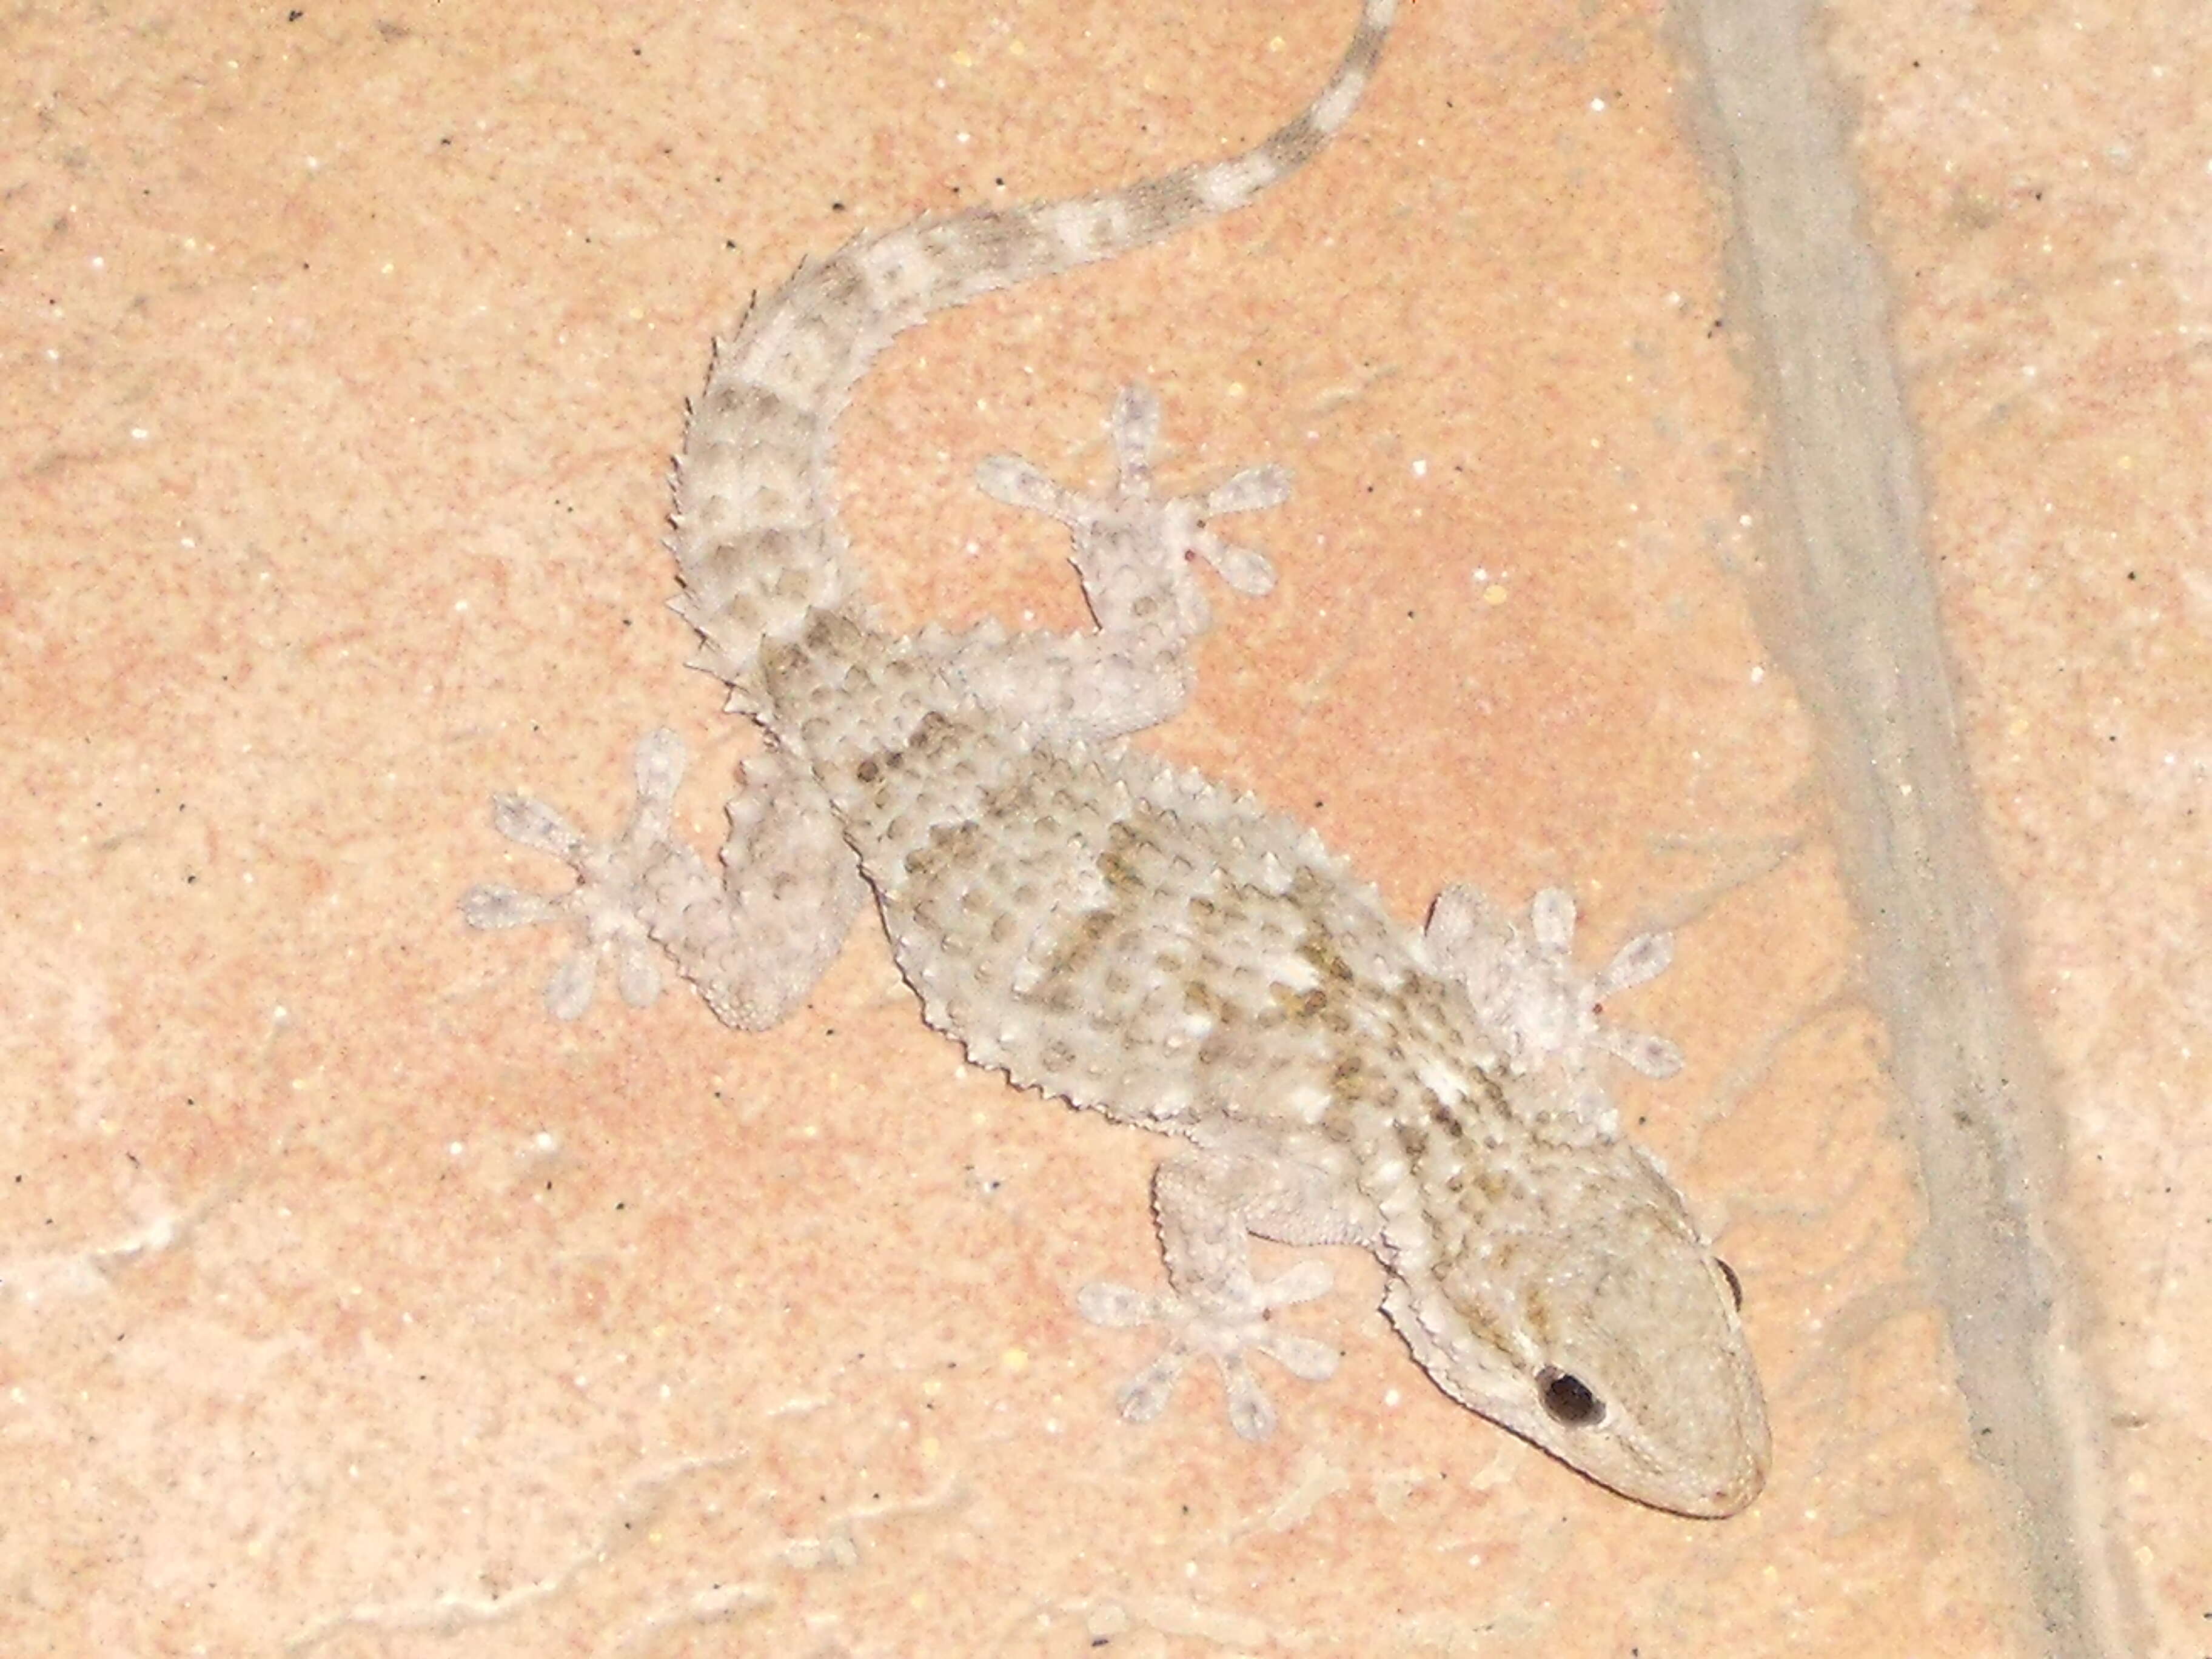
753,942
1209,1202
1539,1004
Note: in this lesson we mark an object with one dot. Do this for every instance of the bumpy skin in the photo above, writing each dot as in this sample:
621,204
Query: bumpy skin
1142,943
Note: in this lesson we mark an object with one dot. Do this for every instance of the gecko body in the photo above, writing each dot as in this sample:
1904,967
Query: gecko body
1141,942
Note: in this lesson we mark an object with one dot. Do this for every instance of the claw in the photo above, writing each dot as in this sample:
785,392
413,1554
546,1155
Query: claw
534,824
1134,428
490,907
569,992
1018,482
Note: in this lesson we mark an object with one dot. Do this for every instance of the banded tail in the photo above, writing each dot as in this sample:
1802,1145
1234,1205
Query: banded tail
756,541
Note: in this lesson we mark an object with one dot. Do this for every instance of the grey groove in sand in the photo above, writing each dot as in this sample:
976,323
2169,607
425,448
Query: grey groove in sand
1849,607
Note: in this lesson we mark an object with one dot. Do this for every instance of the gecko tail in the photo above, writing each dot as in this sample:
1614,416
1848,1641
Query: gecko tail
757,538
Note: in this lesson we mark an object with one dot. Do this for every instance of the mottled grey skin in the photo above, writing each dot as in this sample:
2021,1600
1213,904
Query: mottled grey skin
1144,944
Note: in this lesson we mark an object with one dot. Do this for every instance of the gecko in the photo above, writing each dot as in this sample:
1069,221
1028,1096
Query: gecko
1140,941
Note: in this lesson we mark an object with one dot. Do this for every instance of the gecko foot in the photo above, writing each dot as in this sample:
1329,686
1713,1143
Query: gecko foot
606,906
1528,991
1131,549
1223,1334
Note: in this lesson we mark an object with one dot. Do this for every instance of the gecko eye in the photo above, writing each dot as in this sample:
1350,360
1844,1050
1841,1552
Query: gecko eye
1569,1400
1735,1284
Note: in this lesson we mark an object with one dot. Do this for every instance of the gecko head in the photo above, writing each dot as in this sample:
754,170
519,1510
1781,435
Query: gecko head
1598,1325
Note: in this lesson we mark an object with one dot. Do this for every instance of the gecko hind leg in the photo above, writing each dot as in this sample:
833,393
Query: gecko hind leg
753,942
1136,556
1131,551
